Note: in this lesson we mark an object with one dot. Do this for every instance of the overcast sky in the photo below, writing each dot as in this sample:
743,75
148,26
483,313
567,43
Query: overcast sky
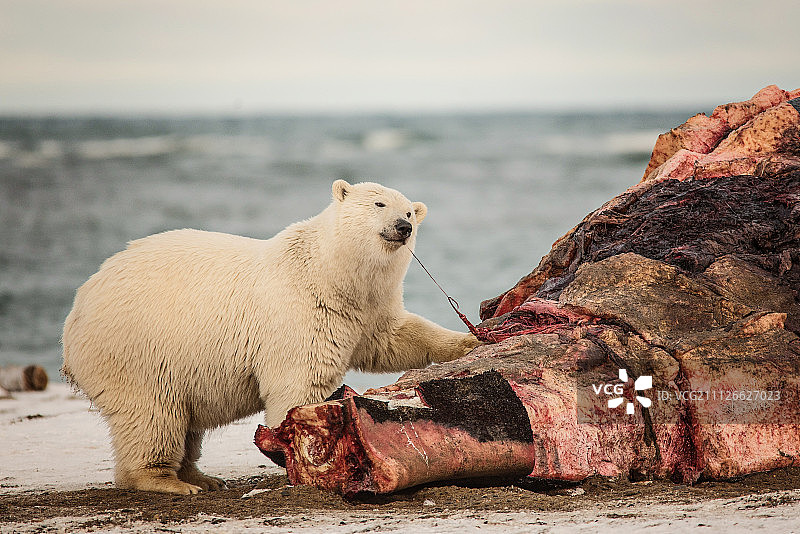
366,55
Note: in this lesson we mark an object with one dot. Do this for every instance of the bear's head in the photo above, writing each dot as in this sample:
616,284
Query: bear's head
379,214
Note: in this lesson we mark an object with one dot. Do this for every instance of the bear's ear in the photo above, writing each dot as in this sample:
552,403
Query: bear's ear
340,189
420,210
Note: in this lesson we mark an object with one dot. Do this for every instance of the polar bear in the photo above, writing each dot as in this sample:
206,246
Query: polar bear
189,330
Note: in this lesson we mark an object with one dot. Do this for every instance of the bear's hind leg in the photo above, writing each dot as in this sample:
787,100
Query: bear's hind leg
149,451
189,472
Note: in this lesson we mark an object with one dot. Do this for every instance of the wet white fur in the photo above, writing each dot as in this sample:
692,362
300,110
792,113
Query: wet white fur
188,330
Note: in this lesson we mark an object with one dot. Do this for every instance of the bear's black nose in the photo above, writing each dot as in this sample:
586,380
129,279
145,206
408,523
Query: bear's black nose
403,228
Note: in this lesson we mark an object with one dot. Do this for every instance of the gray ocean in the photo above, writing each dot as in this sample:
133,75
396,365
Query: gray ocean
500,188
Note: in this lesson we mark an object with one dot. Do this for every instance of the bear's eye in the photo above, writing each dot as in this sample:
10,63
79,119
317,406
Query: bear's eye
380,204
408,214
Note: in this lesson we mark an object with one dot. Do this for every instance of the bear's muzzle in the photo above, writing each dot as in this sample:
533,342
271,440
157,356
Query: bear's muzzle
399,233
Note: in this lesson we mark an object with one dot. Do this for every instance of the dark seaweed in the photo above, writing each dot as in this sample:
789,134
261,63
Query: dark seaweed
690,224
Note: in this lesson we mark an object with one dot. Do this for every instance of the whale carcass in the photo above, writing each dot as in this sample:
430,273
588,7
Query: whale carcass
657,339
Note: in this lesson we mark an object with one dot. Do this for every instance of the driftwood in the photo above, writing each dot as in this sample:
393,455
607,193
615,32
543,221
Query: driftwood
668,342
23,378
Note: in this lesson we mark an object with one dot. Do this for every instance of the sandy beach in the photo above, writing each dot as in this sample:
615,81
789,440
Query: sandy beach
57,471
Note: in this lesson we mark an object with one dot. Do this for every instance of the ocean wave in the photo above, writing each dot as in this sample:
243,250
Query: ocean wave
48,151
370,140
44,154
6,150
384,139
137,147
632,143
228,145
